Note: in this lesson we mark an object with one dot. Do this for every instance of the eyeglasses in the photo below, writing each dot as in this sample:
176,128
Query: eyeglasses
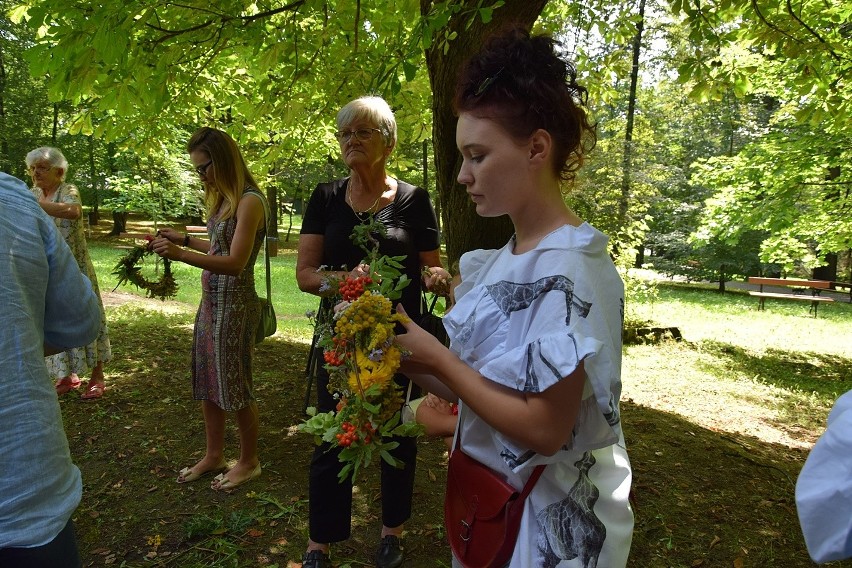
41,169
202,169
362,134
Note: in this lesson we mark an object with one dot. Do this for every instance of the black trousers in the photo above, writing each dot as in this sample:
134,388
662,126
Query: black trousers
330,505
61,552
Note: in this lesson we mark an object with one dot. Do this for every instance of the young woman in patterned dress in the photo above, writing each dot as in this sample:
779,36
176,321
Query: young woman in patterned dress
228,317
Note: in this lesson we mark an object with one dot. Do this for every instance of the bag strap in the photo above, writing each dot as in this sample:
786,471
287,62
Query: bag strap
533,479
408,392
266,217
428,307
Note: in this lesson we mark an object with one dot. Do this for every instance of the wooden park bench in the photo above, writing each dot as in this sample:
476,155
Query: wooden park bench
846,285
814,298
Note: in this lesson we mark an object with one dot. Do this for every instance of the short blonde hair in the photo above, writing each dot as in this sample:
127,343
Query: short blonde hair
372,108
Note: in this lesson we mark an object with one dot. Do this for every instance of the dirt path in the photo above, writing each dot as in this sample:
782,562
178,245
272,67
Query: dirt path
114,299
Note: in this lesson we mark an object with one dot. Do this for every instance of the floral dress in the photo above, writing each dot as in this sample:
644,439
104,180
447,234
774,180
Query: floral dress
226,324
526,321
82,359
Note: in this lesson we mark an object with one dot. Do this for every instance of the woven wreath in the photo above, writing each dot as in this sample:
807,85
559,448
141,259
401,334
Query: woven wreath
129,270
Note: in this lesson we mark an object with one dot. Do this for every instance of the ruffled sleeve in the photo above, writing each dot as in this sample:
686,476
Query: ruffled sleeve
470,265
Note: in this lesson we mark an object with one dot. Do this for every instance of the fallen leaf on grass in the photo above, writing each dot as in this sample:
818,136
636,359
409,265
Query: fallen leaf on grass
698,562
716,540
738,563
254,533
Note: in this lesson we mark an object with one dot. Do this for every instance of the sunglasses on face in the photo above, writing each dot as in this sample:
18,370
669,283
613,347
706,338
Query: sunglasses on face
40,169
202,169
362,134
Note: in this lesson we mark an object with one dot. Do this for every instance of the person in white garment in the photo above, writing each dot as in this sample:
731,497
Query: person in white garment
535,353
824,488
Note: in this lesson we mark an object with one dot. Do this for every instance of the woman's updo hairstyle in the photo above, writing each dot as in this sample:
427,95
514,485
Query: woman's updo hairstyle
520,82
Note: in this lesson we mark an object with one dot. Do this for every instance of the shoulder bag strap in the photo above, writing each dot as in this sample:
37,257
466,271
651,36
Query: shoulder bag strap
266,217
533,479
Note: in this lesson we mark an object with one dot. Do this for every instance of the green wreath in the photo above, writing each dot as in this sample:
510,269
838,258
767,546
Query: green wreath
128,270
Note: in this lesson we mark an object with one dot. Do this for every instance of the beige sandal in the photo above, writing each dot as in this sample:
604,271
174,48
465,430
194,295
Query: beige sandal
186,474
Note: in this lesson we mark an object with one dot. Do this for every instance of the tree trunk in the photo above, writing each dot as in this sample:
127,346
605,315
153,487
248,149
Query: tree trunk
640,256
4,143
119,223
829,270
464,230
55,131
627,157
93,176
272,231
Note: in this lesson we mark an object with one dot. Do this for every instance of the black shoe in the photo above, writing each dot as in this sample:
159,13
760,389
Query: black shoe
316,559
390,553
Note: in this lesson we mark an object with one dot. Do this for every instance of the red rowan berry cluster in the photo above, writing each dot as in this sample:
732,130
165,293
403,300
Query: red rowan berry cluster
332,358
350,433
352,288
336,356
348,436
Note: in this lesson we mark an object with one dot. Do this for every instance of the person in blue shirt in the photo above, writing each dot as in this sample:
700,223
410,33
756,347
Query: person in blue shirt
46,306
824,488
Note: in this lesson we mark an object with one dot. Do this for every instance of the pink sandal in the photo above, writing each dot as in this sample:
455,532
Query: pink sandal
66,384
93,390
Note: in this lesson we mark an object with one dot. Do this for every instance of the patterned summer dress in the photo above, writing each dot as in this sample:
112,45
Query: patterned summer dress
82,359
526,321
226,323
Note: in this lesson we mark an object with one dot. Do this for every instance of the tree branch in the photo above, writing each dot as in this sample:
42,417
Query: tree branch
769,24
224,19
811,30
357,20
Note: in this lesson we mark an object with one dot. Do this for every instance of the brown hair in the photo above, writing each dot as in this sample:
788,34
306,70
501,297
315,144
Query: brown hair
232,174
521,83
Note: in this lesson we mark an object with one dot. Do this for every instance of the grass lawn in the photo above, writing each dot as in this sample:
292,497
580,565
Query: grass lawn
718,426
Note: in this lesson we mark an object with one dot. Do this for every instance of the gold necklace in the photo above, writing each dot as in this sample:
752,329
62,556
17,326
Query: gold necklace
368,210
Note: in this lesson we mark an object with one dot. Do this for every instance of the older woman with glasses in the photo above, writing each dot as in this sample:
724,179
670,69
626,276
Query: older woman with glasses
228,317
47,167
367,135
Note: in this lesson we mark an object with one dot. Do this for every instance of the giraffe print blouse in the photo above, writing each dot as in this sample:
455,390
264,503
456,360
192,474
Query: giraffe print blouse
526,321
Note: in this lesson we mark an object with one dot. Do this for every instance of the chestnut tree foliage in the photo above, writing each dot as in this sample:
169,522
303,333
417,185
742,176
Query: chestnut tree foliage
792,180
761,147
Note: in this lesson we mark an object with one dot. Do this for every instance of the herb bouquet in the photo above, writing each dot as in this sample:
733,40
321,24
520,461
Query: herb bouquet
361,356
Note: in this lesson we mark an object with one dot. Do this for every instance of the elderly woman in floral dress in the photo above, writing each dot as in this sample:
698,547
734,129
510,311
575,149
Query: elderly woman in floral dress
48,167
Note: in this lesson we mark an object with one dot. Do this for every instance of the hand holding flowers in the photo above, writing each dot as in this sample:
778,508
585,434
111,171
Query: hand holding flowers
362,357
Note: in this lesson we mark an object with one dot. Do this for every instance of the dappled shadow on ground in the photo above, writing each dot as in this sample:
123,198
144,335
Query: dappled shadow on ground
131,444
704,498
791,372
711,499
